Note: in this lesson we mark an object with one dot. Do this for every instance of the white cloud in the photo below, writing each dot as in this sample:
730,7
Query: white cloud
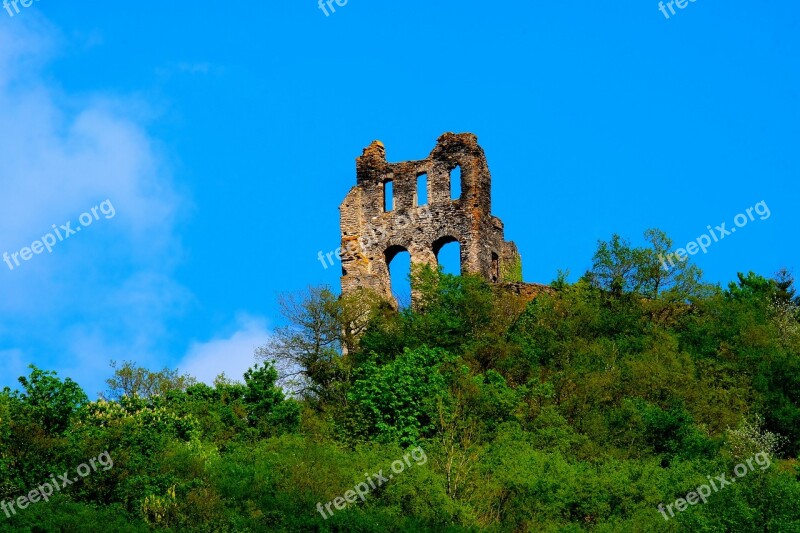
232,355
107,292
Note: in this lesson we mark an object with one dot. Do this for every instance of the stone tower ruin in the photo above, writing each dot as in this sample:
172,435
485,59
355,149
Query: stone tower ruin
376,228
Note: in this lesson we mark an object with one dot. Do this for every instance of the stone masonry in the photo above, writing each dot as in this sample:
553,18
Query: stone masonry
373,236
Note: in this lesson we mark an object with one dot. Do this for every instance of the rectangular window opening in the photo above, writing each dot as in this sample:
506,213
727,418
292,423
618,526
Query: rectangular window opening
388,196
422,189
455,183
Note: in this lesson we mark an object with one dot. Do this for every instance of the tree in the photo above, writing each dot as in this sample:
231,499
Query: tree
130,380
753,287
51,402
614,267
399,401
266,404
310,354
619,268
307,352
784,284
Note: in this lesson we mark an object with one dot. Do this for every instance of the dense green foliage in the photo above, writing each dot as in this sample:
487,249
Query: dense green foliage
582,410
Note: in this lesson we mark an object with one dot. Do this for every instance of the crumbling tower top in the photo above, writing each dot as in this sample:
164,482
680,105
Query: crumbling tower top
376,226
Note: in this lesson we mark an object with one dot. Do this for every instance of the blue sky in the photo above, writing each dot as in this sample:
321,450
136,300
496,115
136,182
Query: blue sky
224,135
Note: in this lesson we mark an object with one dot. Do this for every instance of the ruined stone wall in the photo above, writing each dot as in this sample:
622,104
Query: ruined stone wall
371,236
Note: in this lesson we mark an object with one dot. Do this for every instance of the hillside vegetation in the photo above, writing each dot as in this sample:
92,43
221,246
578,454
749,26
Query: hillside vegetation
591,408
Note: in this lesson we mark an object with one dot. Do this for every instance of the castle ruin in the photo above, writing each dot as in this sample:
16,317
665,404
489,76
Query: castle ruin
375,227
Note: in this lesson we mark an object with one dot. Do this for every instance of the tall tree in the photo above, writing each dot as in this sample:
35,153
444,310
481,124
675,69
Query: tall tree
652,271
132,380
50,401
310,353
784,283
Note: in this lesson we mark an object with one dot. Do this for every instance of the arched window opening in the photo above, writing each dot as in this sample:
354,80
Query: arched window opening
448,255
398,261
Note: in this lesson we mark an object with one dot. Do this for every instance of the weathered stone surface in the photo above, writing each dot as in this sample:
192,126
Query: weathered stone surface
526,291
371,236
